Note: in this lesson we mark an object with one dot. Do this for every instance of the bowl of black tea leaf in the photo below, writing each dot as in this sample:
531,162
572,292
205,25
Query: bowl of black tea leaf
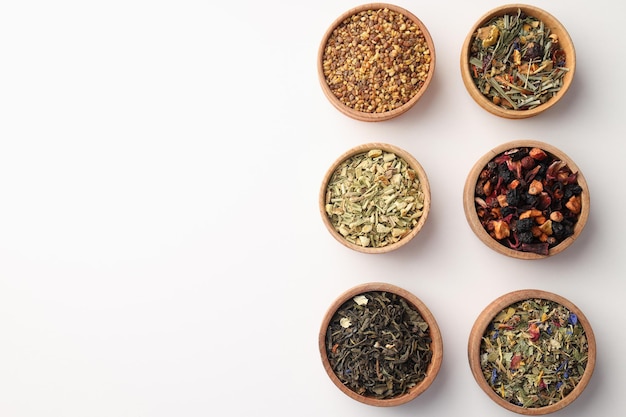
374,198
532,352
517,61
526,199
380,345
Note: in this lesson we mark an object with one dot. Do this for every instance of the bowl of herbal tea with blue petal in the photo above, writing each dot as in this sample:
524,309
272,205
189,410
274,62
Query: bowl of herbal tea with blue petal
532,352
517,61
526,199
380,344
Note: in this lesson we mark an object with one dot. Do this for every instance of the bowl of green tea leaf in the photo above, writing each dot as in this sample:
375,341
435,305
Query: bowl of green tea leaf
517,61
532,352
374,198
380,344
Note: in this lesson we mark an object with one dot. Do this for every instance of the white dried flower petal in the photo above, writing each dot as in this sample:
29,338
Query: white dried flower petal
361,300
345,322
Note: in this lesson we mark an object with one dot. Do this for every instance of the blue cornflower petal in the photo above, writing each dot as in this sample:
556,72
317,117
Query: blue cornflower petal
494,375
573,319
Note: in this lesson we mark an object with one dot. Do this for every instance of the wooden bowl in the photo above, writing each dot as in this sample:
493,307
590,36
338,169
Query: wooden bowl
482,329
507,246
399,86
564,42
379,239
377,340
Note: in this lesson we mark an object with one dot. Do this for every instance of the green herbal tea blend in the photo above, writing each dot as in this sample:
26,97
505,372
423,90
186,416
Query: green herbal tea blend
534,353
528,200
374,199
516,62
378,345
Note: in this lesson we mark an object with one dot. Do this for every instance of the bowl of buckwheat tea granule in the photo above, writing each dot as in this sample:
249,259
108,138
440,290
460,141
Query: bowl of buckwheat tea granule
376,61
526,199
380,344
375,198
517,61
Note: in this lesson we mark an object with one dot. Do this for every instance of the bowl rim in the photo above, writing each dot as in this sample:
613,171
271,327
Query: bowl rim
436,343
469,195
555,26
495,307
374,117
411,161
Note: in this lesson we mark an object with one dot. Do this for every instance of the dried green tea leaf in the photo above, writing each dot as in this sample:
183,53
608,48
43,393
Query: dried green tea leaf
374,199
387,349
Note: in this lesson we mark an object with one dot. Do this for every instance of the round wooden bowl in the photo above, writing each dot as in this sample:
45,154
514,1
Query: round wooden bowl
436,344
381,56
469,195
412,163
565,42
481,326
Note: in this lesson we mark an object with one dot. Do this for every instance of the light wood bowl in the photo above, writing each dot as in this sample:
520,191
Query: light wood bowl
411,161
435,335
555,27
474,221
366,116
481,325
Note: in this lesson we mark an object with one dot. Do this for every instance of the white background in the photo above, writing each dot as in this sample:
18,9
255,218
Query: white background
161,249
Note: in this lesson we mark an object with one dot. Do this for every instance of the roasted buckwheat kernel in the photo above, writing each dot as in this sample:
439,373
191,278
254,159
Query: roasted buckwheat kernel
376,61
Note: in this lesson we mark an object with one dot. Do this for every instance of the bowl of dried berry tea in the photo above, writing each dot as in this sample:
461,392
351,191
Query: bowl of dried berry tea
380,344
532,352
375,61
517,61
526,199
375,198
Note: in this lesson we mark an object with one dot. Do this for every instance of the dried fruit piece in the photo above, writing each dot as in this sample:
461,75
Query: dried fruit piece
528,199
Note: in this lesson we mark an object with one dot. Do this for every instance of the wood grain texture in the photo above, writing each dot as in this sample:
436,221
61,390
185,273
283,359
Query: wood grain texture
435,334
474,221
565,42
374,117
487,315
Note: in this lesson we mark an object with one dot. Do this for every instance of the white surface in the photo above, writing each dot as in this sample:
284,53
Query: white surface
161,251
